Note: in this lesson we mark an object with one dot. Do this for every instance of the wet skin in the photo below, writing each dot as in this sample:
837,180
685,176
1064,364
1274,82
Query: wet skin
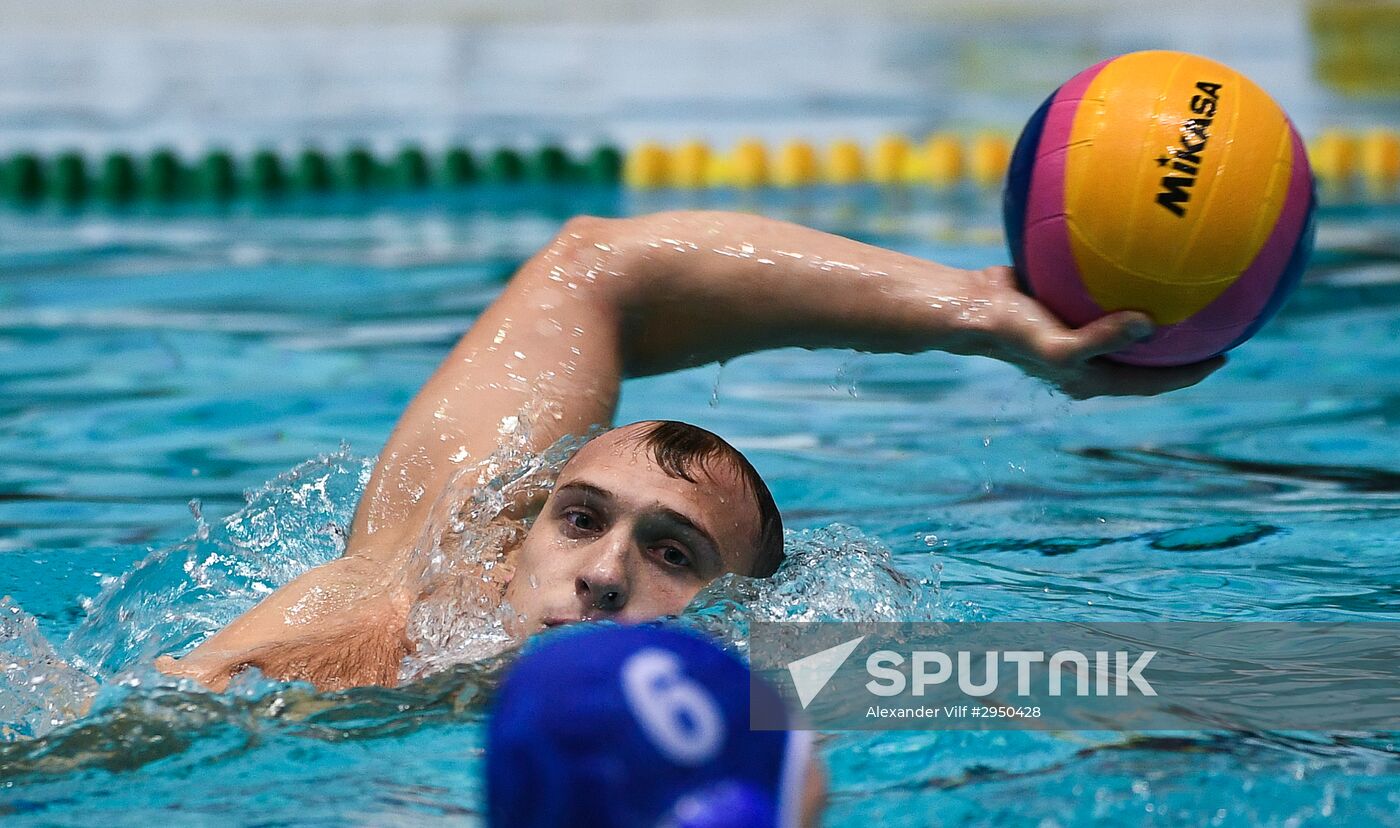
608,299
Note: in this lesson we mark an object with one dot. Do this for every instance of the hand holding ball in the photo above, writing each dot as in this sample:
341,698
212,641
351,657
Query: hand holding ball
1165,183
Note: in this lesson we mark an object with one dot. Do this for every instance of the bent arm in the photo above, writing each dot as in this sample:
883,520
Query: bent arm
646,295
626,297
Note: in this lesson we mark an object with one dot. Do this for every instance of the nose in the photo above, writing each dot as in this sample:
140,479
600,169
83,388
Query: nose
603,584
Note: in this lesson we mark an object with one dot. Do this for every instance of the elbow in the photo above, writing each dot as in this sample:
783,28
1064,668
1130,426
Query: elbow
591,235
594,256
585,237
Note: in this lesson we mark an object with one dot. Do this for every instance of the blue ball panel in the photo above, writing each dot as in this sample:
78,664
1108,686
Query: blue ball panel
1292,274
1018,184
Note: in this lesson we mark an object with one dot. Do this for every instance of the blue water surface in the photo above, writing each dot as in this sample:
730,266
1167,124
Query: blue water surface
148,360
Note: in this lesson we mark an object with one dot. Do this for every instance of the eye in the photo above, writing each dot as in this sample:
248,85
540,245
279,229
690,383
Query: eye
672,556
581,519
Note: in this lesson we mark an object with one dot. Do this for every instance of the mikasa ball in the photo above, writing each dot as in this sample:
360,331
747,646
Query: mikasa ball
1166,183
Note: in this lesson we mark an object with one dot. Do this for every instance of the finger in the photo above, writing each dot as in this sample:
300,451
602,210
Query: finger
1162,380
1109,334
181,667
1102,378
215,678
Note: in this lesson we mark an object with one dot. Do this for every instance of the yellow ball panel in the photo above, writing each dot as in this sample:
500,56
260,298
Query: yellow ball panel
1176,171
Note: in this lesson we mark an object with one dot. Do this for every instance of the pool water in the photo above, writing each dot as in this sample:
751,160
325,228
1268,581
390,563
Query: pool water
205,393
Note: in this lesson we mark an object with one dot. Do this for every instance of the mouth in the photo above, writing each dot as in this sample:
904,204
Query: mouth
559,621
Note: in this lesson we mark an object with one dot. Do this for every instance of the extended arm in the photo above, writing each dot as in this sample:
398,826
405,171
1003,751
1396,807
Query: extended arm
627,297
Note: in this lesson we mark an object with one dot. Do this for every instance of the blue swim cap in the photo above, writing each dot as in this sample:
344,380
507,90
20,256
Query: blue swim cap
637,727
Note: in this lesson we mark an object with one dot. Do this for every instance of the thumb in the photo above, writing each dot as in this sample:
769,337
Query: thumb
1111,333
182,668
210,670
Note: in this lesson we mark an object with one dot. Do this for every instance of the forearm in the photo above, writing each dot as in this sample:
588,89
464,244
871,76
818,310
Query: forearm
338,625
695,287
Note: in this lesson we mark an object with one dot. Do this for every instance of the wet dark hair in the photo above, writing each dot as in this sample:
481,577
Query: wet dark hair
680,449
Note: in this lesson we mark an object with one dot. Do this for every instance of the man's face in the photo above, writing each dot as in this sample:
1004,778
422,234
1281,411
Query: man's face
621,539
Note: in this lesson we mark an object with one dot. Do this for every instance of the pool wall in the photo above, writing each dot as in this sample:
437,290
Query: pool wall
134,76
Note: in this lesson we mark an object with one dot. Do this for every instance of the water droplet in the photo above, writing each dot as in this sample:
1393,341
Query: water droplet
847,377
714,389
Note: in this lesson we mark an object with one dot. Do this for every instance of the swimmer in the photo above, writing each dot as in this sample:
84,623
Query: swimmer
639,727
643,516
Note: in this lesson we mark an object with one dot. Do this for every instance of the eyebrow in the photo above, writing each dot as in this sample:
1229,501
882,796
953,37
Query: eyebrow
590,490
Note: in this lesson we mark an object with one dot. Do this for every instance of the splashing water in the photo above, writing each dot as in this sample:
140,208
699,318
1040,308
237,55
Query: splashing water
38,690
459,564
179,596
833,574
176,597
